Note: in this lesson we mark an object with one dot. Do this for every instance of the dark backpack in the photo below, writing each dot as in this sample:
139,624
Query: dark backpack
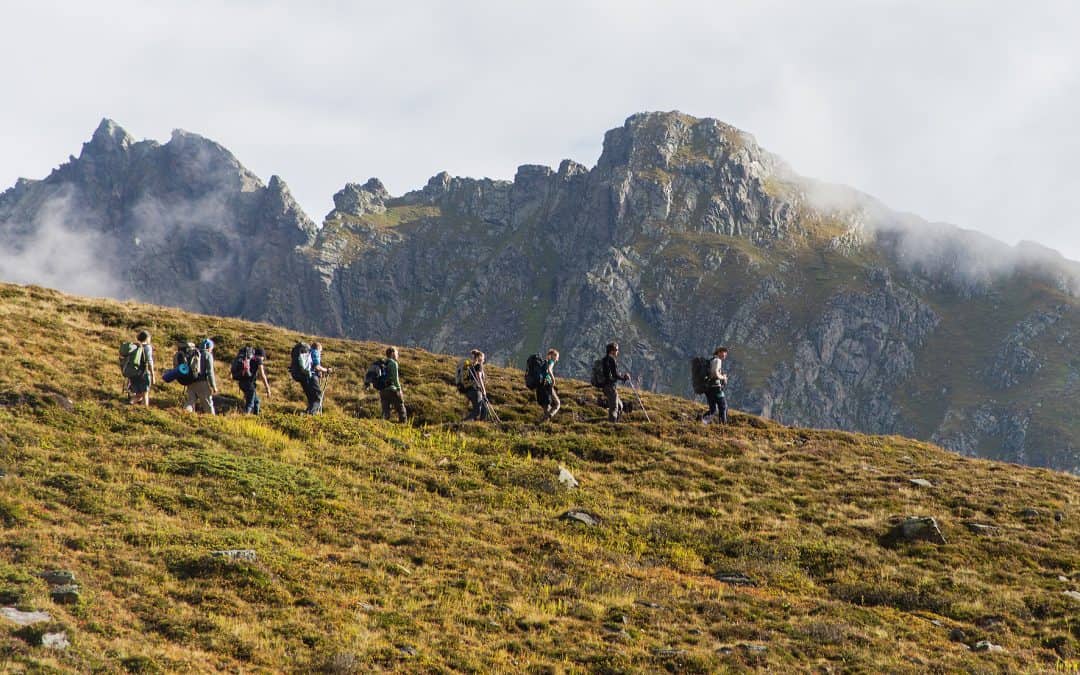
599,377
300,362
189,367
132,360
534,371
699,373
378,375
243,366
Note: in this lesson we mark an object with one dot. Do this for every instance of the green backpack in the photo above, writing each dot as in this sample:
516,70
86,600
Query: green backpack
132,359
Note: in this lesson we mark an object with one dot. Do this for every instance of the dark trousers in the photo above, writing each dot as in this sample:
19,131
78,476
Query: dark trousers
314,393
392,399
548,399
717,403
614,403
479,410
252,404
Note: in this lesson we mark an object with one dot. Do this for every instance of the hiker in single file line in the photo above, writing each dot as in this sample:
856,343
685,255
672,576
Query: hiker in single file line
714,389
610,379
472,382
247,369
392,396
137,367
195,368
546,394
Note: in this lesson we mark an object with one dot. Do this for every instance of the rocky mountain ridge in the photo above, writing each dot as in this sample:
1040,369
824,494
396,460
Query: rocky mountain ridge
685,234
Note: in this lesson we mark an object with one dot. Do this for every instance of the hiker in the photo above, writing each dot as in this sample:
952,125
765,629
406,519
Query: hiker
200,380
316,389
474,386
391,396
611,378
247,368
714,388
138,368
546,395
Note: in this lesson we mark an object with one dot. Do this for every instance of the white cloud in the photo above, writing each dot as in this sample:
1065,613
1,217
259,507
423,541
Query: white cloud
959,111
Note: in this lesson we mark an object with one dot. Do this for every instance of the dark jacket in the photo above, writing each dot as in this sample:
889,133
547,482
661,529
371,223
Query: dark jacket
611,370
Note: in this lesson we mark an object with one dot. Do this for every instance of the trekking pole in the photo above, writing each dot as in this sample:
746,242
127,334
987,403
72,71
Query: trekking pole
640,402
485,401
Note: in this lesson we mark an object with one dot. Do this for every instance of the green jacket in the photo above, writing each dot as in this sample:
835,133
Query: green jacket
392,375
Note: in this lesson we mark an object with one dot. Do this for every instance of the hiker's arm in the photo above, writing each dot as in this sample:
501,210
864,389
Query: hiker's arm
262,373
395,379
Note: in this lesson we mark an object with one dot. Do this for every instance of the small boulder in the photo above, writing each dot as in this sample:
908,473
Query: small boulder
735,579
58,641
20,618
1029,514
1075,595
66,594
567,479
1059,516
579,516
408,650
957,635
58,400
986,646
980,528
921,482
913,529
236,554
58,577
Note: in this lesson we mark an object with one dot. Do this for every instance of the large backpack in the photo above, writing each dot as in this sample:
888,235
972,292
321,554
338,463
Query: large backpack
132,359
463,378
300,362
242,367
699,373
599,378
189,368
534,371
378,375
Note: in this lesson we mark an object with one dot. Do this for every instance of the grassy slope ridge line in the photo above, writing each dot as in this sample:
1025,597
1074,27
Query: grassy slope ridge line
436,547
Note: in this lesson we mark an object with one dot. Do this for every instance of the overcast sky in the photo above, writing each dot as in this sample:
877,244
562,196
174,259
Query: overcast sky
959,111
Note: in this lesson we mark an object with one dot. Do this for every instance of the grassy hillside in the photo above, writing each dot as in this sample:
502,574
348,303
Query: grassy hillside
437,547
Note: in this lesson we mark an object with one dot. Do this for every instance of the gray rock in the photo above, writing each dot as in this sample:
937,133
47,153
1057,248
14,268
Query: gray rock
1030,514
567,479
236,554
986,646
1075,595
21,618
408,650
579,516
957,635
980,528
1063,579
734,579
58,577
921,482
59,400
668,652
1059,516
58,641
66,594
914,529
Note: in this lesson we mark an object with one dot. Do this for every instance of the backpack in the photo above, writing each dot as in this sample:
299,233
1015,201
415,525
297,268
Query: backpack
599,378
132,359
243,366
534,371
300,362
699,373
189,368
378,375
464,378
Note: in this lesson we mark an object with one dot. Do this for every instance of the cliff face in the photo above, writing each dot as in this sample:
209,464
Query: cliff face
685,235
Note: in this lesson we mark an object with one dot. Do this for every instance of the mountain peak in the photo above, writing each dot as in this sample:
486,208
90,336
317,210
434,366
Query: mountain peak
109,137
657,140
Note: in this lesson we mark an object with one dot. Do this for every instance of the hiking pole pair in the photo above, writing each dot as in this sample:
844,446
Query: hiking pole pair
640,402
485,402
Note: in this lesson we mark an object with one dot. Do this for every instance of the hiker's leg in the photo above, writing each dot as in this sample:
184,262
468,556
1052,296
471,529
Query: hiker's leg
555,403
611,397
256,402
384,400
249,393
722,407
192,398
399,405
